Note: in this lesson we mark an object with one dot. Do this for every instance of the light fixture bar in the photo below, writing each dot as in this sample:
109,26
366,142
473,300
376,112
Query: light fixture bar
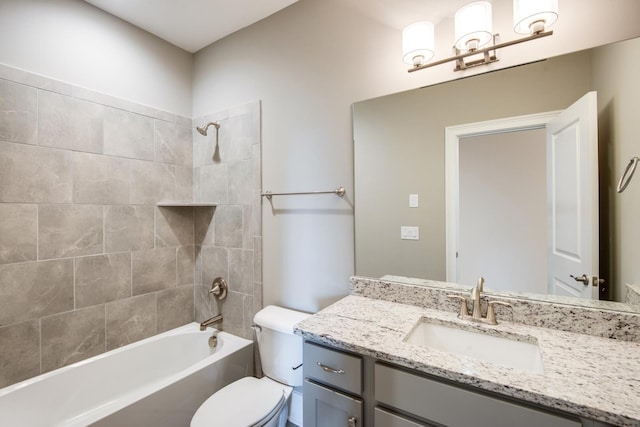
488,58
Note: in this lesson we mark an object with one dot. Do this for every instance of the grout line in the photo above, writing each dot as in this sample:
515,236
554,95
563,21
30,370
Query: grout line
75,306
130,274
40,341
105,327
37,232
155,224
37,117
155,296
104,229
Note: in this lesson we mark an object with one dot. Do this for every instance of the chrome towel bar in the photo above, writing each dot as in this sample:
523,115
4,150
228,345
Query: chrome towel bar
340,192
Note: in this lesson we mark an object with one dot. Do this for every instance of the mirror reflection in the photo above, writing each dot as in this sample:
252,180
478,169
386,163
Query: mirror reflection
400,174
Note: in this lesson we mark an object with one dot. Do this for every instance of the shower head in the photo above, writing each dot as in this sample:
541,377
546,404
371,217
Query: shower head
203,129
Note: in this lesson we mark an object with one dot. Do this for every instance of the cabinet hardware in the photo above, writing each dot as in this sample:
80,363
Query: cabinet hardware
330,369
351,422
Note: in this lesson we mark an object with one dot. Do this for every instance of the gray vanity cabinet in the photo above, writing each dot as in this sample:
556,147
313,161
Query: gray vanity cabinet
449,405
346,389
332,388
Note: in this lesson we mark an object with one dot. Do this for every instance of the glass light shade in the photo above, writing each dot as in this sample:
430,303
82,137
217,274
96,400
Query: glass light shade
473,25
417,43
533,16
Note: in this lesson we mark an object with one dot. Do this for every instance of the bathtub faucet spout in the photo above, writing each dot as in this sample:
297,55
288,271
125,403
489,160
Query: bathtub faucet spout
214,320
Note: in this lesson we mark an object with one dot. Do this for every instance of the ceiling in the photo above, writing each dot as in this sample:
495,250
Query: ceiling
191,24
194,24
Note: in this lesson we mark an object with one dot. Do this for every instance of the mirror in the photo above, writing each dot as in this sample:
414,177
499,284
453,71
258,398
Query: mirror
399,151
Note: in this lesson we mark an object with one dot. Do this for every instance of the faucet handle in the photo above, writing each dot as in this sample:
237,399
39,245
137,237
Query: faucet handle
463,305
219,288
491,312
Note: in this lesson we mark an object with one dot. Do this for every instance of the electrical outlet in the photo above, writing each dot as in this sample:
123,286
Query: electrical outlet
413,200
409,233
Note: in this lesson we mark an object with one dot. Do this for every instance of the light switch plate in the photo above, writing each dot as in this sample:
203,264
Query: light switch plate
413,200
409,233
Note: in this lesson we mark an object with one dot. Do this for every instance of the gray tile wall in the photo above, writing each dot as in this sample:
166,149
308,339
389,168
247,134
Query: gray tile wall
228,240
88,263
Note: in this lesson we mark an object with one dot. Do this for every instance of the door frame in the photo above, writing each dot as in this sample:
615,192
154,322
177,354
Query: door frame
453,134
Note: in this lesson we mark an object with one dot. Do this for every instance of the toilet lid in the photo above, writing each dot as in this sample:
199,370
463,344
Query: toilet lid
243,403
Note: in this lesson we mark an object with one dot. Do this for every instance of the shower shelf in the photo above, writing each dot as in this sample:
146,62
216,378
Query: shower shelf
176,204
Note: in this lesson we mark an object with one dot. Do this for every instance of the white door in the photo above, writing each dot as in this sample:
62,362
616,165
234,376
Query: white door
572,189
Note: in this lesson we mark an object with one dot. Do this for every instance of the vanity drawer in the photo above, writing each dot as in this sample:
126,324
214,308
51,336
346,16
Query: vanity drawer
382,418
453,406
328,366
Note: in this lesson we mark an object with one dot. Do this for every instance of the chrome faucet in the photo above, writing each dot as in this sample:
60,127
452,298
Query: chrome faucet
213,321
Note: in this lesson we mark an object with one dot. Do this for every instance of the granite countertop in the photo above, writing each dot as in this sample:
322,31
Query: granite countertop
592,377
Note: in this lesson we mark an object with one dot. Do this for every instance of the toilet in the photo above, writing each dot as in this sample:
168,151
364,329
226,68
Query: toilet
262,402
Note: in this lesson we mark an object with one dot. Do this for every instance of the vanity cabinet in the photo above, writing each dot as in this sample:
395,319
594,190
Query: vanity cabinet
332,388
346,389
445,404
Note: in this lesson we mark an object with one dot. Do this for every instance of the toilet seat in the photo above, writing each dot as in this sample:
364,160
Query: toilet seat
244,403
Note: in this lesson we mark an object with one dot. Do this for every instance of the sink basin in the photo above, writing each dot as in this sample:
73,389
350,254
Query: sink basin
503,351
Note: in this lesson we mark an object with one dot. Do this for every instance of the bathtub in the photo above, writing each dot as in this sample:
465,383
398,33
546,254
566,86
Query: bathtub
159,381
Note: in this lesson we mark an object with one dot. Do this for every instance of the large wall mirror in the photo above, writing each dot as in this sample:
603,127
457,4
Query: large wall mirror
400,178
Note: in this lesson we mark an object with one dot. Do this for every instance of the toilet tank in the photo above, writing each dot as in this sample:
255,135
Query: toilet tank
280,349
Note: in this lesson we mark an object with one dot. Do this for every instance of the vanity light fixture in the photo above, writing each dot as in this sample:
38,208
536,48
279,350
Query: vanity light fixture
474,35
473,26
417,43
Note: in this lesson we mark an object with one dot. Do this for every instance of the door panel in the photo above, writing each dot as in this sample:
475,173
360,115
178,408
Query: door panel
572,191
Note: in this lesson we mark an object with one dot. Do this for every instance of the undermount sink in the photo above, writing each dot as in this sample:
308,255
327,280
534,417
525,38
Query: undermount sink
503,351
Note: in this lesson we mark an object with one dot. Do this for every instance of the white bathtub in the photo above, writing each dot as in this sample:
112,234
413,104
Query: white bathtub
159,381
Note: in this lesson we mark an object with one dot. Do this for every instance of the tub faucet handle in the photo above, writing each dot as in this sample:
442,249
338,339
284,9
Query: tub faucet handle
219,288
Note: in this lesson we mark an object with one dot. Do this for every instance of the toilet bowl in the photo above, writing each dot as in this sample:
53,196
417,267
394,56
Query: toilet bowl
263,402
247,402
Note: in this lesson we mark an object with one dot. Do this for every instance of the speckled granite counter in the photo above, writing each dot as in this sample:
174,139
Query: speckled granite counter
592,377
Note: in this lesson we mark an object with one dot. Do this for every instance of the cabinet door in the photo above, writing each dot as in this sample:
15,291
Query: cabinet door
324,407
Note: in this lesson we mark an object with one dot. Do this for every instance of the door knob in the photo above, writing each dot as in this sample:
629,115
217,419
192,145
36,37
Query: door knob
584,279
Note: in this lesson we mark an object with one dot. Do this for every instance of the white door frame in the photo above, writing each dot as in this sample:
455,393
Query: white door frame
452,188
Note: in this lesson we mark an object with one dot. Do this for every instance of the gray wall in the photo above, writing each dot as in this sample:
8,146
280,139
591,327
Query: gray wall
615,77
399,149
503,210
308,64
75,42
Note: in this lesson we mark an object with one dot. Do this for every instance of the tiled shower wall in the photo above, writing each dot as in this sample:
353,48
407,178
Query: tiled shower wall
88,262
227,172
